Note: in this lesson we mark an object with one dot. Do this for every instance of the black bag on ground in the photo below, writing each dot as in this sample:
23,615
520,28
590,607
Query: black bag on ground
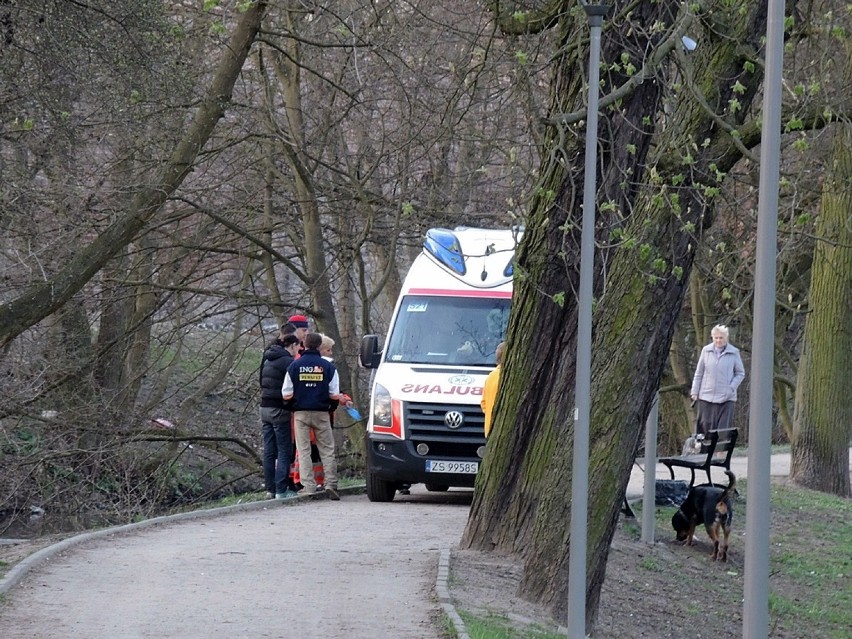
670,492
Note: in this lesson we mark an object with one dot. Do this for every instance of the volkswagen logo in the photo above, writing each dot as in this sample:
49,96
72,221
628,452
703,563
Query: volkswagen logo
454,419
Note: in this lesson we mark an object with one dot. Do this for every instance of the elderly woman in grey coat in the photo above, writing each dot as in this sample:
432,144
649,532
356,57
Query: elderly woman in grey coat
718,374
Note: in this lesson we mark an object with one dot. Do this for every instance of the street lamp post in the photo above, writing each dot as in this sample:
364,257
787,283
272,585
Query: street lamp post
756,585
583,374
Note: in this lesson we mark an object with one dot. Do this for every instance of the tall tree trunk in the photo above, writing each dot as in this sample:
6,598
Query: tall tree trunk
116,307
288,71
671,152
822,423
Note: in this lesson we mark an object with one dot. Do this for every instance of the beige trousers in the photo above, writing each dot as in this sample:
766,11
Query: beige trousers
319,421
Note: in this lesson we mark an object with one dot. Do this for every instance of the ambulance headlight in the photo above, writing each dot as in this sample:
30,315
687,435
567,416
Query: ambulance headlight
381,406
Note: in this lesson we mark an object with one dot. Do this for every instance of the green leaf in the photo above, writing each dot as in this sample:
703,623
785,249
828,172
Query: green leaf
521,57
677,271
559,298
801,144
407,209
738,87
794,124
210,4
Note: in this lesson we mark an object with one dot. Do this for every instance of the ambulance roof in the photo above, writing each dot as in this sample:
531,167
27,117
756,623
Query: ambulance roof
465,258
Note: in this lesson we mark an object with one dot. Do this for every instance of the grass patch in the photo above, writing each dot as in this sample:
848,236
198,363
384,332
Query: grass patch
500,627
245,498
649,563
812,554
810,559
776,449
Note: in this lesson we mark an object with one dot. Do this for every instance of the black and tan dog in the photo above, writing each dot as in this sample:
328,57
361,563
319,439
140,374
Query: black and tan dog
711,506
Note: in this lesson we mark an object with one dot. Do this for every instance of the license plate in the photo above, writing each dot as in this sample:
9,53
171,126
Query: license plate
462,467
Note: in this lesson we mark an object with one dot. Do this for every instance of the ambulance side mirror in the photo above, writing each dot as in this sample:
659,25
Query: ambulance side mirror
370,355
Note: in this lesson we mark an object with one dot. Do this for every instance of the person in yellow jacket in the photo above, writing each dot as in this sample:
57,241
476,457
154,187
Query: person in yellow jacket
489,392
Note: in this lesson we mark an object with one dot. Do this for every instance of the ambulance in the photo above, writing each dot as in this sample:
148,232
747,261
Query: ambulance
425,423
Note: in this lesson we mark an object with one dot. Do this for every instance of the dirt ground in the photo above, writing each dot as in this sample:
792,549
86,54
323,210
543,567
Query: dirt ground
660,591
666,590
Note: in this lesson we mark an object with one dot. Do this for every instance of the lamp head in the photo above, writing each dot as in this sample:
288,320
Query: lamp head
599,8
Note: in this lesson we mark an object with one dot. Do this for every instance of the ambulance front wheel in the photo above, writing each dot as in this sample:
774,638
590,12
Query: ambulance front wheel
378,489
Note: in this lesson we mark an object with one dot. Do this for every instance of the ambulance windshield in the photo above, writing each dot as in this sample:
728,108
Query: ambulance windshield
448,330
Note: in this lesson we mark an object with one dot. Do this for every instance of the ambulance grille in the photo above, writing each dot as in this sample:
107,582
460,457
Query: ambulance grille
425,423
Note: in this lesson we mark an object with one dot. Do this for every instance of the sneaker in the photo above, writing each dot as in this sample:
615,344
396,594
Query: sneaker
270,495
332,493
287,494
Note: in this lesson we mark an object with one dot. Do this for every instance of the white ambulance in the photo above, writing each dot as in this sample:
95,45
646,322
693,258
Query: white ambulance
425,423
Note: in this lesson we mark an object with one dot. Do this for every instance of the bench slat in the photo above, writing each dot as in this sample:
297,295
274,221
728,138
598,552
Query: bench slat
716,451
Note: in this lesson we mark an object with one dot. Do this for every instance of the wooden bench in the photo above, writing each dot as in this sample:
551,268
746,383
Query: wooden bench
716,450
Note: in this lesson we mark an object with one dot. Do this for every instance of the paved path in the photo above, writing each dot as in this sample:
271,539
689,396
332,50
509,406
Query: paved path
316,568
780,467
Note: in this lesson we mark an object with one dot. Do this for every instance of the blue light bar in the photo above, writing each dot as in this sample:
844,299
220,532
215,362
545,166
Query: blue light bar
509,271
444,245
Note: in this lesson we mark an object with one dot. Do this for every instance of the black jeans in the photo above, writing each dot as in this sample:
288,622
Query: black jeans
277,449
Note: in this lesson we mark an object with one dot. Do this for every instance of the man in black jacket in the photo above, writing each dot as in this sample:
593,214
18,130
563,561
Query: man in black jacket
312,383
275,415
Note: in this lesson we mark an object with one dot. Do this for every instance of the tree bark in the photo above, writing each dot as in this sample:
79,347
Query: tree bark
671,152
822,423
40,300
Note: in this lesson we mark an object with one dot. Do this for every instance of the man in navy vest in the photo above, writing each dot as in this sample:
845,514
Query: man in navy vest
312,383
